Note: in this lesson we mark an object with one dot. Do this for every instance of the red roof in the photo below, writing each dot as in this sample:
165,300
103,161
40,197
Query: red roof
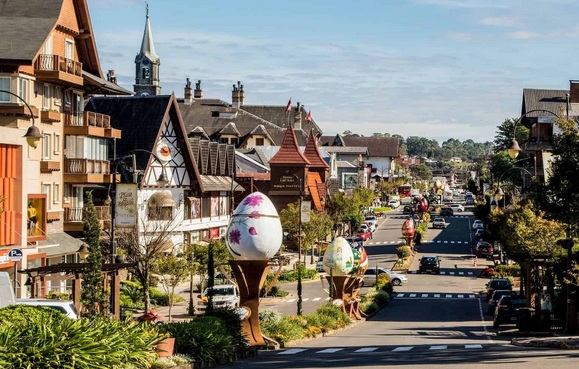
289,152
313,154
313,181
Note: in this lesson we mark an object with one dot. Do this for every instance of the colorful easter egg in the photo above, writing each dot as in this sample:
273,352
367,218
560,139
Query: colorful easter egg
254,231
360,260
338,258
408,228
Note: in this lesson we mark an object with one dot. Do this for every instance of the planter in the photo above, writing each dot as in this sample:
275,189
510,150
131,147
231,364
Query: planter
165,348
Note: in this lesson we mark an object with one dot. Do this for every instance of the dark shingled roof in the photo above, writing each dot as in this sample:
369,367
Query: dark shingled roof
230,129
289,152
552,100
313,154
377,146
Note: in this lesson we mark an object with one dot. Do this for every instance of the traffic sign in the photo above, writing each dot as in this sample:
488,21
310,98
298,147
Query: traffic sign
15,255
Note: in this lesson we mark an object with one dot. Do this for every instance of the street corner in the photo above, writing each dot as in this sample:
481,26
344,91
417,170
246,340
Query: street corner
569,343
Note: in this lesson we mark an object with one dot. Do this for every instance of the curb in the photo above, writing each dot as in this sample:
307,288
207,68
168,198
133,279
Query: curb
569,343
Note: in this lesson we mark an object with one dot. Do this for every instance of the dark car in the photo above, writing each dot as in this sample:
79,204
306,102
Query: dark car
498,284
429,264
483,249
445,212
407,209
494,300
506,310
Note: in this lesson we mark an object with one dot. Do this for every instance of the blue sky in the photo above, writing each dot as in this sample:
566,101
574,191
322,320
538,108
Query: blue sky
432,68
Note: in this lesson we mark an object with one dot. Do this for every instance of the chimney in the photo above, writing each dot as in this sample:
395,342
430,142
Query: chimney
198,91
298,119
111,76
574,91
237,95
188,92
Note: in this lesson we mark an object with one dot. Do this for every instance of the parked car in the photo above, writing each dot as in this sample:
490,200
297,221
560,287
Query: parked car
225,295
494,300
320,265
478,234
364,233
393,204
506,310
457,207
371,226
64,306
446,212
497,284
477,224
469,200
371,219
484,249
355,241
438,222
429,264
395,278
6,290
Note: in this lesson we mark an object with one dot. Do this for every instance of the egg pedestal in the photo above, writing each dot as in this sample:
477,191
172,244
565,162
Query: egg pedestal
254,236
345,288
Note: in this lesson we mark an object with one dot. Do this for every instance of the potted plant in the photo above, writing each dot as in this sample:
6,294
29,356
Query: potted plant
121,256
166,346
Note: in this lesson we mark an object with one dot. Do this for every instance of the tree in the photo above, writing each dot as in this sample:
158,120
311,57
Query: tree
93,295
172,270
318,228
221,257
504,134
421,171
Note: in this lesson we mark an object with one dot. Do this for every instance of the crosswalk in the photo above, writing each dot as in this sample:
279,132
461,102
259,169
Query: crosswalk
442,272
333,350
408,215
401,242
436,295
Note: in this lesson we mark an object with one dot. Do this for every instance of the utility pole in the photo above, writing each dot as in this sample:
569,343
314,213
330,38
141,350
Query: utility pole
299,303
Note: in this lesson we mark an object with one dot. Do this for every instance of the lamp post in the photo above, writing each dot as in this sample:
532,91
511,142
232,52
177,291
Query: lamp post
33,134
299,287
499,194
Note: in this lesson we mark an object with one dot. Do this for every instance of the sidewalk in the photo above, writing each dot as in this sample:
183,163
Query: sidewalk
562,342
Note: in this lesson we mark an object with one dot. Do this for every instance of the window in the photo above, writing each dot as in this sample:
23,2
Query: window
47,49
46,146
259,141
46,97
146,73
57,93
23,89
46,188
56,144
56,193
69,49
5,85
224,140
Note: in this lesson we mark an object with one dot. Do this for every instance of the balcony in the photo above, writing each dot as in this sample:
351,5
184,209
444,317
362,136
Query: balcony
49,116
89,123
87,171
49,166
17,110
57,69
73,218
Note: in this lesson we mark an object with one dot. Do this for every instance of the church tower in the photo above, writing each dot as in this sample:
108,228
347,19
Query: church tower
147,65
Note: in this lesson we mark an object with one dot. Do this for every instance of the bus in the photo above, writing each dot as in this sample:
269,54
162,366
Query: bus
405,190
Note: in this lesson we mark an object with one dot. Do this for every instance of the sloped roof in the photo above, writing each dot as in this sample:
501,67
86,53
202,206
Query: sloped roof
199,131
332,140
289,152
97,85
230,129
313,181
247,164
377,146
313,155
551,100
347,149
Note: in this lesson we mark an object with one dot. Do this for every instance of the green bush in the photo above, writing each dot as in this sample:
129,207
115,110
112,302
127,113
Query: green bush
232,321
508,270
382,298
369,307
292,275
36,337
284,330
334,312
403,252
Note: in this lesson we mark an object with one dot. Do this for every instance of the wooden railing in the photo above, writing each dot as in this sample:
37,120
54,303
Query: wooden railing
87,118
75,214
86,166
56,63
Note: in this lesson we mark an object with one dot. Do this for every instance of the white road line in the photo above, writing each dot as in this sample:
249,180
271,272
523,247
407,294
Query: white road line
448,296
424,295
292,351
292,300
460,273
367,349
403,348
470,273
445,241
412,295
436,295
438,241
443,273
329,351
441,347
472,346
317,299
306,299
460,296
451,241
327,299
472,296
400,295
484,324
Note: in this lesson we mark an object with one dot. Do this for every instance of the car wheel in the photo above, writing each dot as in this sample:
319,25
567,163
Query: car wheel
362,284
396,282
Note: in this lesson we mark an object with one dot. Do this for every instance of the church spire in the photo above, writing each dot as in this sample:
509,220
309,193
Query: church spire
147,64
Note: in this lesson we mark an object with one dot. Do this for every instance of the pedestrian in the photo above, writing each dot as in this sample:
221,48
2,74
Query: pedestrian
547,304
475,261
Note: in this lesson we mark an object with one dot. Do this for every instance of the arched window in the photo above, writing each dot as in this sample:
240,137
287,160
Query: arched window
160,206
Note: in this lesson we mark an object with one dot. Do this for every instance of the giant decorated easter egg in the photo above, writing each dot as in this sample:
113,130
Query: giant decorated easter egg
254,231
338,258
408,228
360,260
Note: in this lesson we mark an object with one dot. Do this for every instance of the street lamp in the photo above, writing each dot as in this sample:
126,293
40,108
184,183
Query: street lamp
83,252
499,193
515,149
33,134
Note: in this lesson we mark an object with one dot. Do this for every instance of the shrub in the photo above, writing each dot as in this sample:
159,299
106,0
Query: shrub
292,275
488,272
283,330
232,321
384,284
369,307
324,323
335,312
403,252
508,270
382,298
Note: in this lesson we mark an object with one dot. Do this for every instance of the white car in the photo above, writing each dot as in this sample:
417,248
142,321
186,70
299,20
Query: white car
64,306
371,226
393,204
224,295
457,207
395,278
477,224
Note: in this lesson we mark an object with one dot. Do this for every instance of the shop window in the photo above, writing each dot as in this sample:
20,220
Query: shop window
36,217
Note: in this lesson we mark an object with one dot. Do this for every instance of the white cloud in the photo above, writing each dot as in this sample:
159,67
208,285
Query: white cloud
523,35
501,21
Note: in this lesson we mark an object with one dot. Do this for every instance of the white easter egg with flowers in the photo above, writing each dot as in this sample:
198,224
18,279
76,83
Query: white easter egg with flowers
254,231
338,258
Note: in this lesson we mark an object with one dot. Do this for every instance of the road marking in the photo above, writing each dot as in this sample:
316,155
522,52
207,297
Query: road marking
424,295
317,299
484,324
306,299
436,295
472,346
403,348
291,351
460,296
472,296
400,295
367,349
441,347
327,299
451,273
412,295
460,273
451,241
292,300
448,296
439,241
470,273
329,351
445,241
442,273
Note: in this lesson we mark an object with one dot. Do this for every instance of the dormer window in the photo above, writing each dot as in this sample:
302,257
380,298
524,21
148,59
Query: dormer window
260,141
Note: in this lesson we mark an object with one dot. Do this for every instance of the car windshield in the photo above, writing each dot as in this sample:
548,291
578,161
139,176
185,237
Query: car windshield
439,219
500,284
219,292
513,302
428,260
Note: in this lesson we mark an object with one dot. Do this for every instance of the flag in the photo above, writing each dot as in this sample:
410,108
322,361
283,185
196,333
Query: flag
309,116
289,105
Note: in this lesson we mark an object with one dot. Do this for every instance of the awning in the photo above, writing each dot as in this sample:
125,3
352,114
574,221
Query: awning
103,86
59,244
162,200
219,183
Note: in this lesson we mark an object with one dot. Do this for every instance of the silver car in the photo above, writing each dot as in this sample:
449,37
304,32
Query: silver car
395,278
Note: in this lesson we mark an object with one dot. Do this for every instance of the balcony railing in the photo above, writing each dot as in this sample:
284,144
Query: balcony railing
86,166
87,118
57,63
75,214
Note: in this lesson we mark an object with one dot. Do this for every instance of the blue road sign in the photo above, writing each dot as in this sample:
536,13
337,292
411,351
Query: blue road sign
15,255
